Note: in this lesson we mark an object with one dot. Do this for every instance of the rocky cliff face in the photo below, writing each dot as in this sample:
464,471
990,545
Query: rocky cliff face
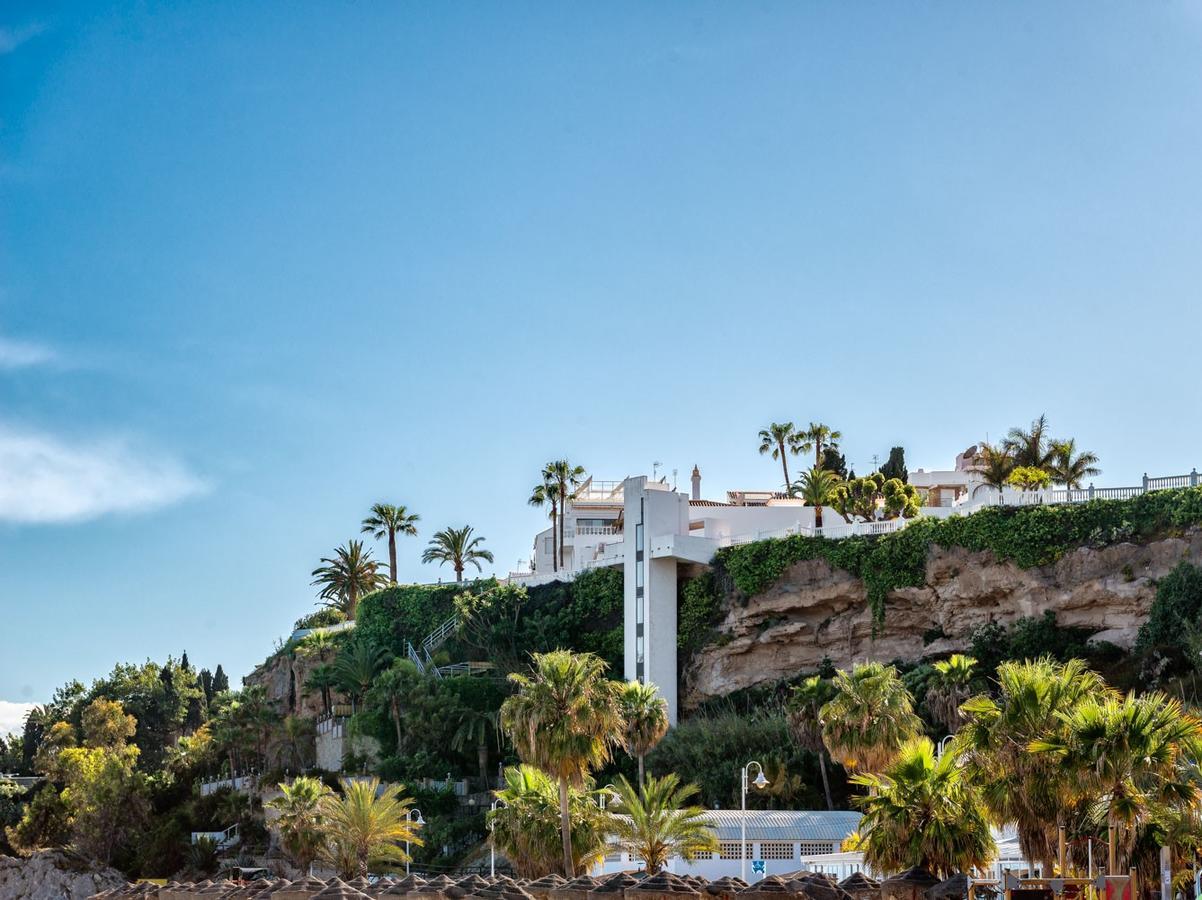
53,875
815,611
283,677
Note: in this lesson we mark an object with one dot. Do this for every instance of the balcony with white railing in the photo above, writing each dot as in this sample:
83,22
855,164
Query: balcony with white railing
608,492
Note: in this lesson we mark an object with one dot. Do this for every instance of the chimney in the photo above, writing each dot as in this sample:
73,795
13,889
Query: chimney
696,483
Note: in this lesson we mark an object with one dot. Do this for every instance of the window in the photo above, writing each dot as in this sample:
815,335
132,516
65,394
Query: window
816,848
776,850
548,546
733,850
703,854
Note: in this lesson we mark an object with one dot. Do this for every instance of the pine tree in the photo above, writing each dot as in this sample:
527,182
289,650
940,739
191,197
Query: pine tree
206,684
184,665
896,466
221,681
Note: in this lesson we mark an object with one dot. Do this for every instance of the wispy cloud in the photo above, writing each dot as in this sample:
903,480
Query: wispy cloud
13,37
12,716
46,479
15,354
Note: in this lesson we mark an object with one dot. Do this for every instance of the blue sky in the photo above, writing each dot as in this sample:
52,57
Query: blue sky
262,265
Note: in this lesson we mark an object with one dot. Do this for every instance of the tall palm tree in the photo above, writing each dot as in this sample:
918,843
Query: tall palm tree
994,464
300,825
1033,447
780,439
870,717
819,437
547,494
357,666
818,488
645,713
804,713
1070,468
346,576
323,679
565,719
994,744
388,521
950,687
366,824
473,730
457,547
1132,755
658,822
922,812
566,478
391,687
298,734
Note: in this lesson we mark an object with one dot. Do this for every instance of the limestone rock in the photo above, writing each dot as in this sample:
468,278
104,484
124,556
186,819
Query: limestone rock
54,875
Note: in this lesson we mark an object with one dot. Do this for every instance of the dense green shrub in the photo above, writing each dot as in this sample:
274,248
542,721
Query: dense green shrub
698,609
323,618
408,612
1030,638
1174,611
1027,535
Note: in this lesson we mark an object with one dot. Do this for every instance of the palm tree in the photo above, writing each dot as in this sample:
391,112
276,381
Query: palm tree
347,576
1034,447
817,438
323,679
388,521
367,825
390,689
1070,468
658,822
298,733
951,686
357,666
818,488
565,719
566,478
300,824
804,713
1134,754
780,439
645,713
457,547
922,812
994,743
473,729
870,717
525,826
547,494
994,464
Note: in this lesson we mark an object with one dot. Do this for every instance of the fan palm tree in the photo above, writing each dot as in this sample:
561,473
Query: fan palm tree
804,713
387,521
357,666
994,742
347,576
1034,448
323,679
474,728
1134,754
298,734
566,478
1070,468
780,439
950,686
818,488
366,825
658,822
645,714
994,464
300,823
391,687
547,494
565,719
457,547
819,437
922,812
870,717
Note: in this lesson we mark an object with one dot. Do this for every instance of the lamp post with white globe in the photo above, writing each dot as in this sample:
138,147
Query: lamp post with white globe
760,782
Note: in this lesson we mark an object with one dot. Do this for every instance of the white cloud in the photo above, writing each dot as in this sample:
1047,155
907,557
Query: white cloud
45,479
16,354
12,716
12,38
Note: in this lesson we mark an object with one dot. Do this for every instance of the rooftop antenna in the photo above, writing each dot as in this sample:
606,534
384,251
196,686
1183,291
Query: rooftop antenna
673,479
876,463
655,470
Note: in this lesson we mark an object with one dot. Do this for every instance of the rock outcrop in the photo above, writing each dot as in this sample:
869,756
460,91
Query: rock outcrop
815,611
54,875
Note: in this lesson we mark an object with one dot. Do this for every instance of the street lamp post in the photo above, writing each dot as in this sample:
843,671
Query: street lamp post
492,838
409,817
760,782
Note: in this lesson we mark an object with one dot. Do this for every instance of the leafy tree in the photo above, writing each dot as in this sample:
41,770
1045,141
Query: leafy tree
1175,612
302,831
346,576
475,730
366,825
221,681
45,821
390,689
950,687
874,497
922,812
525,826
780,439
565,719
805,722
1033,448
547,494
818,488
297,733
323,679
895,466
206,684
994,465
567,478
659,822
645,714
387,521
1070,468
1028,478
834,461
870,717
457,547
819,437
